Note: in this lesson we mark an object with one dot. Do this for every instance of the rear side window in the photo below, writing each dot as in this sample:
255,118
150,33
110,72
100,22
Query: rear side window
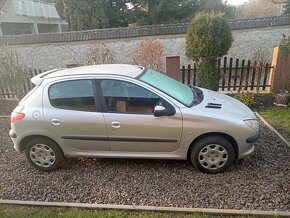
73,95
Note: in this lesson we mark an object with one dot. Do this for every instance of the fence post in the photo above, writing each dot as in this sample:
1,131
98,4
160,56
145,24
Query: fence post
267,67
236,74
188,74
230,74
242,76
183,74
224,74
253,76
247,75
280,73
194,74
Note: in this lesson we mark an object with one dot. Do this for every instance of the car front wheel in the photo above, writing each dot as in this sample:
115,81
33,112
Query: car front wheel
44,154
212,154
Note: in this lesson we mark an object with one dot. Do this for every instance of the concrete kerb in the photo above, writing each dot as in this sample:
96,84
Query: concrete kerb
150,208
273,129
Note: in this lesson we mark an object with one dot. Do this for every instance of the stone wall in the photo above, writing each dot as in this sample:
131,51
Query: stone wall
57,53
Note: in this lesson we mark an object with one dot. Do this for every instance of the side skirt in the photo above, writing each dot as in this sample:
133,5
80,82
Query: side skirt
180,154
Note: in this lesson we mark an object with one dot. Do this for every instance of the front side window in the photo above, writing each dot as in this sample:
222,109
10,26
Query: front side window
73,95
125,97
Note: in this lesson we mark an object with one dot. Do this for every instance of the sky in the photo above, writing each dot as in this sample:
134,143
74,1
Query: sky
236,2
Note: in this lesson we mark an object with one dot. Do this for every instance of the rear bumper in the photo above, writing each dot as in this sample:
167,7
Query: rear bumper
12,134
14,138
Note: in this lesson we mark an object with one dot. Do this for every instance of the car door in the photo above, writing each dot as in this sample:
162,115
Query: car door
128,112
72,113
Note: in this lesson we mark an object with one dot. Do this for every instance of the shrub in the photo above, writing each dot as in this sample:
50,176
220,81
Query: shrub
208,38
264,100
255,100
149,54
248,98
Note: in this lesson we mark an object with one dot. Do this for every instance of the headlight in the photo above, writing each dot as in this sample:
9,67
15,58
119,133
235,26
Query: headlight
253,124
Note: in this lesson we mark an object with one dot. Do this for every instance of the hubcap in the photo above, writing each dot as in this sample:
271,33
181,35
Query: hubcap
42,155
213,156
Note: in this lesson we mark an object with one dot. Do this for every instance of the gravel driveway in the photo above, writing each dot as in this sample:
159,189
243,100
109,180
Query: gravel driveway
260,182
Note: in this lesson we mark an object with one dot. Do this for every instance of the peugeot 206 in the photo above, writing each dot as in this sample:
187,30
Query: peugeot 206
124,111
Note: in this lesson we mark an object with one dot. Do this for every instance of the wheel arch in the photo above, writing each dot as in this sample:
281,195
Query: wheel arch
219,134
26,139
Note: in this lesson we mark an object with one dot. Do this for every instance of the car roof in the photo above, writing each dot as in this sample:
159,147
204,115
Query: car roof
103,69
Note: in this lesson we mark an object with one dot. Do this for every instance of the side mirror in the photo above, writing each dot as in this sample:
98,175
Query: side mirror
161,111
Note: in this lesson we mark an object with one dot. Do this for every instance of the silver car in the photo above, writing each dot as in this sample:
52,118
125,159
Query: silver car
128,111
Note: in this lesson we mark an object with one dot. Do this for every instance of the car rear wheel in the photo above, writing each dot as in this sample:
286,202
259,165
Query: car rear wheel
212,154
44,154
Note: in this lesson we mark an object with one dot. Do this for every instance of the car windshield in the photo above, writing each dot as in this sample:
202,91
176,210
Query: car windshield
171,87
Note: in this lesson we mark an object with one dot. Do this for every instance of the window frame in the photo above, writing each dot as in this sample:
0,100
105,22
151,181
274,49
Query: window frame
104,105
95,95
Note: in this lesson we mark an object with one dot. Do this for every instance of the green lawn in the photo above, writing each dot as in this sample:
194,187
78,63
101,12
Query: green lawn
13,211
279,118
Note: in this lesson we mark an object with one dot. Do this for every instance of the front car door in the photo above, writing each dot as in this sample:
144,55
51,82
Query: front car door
128,112
73,114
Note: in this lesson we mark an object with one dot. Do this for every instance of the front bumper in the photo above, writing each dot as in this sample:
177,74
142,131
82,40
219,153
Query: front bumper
254,138
248,146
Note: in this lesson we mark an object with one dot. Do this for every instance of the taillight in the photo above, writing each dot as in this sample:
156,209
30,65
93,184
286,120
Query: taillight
16,116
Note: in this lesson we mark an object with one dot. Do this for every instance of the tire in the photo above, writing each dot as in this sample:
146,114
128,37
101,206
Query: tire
44,154
212,154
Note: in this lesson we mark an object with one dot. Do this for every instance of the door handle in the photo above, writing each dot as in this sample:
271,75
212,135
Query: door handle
116,124
55,122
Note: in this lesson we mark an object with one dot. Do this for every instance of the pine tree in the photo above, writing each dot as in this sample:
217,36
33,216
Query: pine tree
208,38
83,15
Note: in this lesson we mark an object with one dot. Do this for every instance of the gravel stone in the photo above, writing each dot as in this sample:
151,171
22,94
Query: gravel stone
258,182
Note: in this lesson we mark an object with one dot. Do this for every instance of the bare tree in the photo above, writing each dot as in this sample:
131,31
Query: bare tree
100,53
259,8
260,58
12,73
149,54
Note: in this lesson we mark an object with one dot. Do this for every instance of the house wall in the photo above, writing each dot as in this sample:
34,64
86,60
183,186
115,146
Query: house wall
16,28
48,28
8,16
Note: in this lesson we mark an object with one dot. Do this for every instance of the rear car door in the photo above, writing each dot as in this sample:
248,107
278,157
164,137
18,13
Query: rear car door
72,113
128,111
